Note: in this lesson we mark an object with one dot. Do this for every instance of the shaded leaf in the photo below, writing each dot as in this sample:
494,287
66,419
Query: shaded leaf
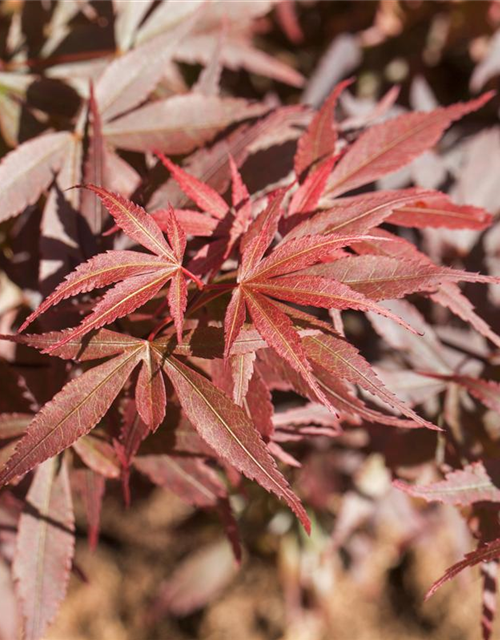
72,413
228,430
44,548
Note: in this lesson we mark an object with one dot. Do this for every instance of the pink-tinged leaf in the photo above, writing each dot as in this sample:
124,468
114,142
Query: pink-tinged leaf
399,248
120,176
259,236
321,292
193,223
234,320
95,170
484,553
100,344
425,351
280,375
239,192
130,78
98,455
441,212
283,456
486,391
132,432
209,258
450,296
386,147
342,56
179,124
100,271
318,142
13,425
308,195
241,204
197,581
300,253
175,234
339,358
121,300
286,15
91,487
242,369
383,277
72,413
189,478
229,431
343,399
208,342
358,214
277,330
361,117
211,165
208,83
150,394
200,193
309,414
258,403
134,221
128,17
29,169
461,487
177,301
237,52
44,548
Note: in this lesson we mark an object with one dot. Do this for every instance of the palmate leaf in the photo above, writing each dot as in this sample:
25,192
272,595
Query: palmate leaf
44,548
100,271
81,404
260,279
140,277
72,413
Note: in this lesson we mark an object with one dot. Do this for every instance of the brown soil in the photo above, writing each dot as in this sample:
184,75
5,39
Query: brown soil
139,551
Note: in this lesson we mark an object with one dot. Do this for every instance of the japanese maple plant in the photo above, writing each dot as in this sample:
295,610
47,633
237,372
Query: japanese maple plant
167,327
